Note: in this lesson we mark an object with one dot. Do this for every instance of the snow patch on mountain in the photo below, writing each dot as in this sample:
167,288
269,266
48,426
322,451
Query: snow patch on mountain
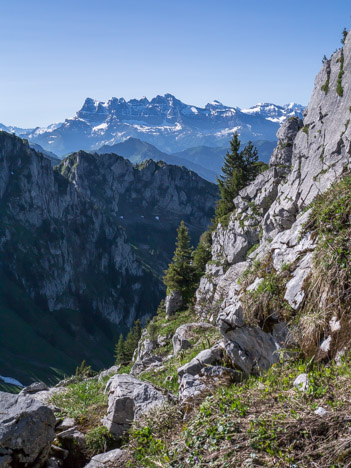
164,121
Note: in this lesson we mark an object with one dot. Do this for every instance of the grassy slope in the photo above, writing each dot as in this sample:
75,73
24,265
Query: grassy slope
264,421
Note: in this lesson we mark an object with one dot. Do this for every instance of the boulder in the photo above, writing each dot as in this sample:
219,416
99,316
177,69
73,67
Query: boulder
320,411
183,333
146,364
111,459
128,399
251,349
223,373
302,382
27,428
192,386
206,357
173,302
111,371
73,441
34,388
66,423
295,293
58,453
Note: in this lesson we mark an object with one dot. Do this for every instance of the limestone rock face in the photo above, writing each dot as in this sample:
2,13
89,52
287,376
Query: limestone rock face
34,388
282,155
128,399
182,335
210,356
174,301
66,237
111,459
270,215
27,428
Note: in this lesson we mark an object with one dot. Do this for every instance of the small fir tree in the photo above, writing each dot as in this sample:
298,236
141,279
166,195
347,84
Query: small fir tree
180,273
124,349
239,169
120,351
84,370
202,254
344,36
131,341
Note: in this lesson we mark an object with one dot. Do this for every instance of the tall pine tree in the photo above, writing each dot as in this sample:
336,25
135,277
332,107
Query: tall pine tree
239,169
180,273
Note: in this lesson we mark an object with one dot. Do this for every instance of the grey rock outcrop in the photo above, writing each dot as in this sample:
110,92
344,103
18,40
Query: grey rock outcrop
206,357
144,356
128,399
27,428
173,303
270,214
73,441
191,387
66,423
282,155
302,382
112,459
35,388
108,372
184,333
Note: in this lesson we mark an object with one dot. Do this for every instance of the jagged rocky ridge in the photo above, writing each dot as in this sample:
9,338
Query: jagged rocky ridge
310,156
82,246
268,227
165,122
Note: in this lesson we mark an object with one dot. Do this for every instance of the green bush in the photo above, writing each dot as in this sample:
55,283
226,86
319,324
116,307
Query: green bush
98,440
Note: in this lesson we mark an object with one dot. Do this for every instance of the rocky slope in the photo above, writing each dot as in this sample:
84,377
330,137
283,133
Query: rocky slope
78,247
270,215
165,122
277,286
257,371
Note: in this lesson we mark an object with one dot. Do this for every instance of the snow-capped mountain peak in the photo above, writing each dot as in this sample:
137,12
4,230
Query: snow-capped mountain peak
163,121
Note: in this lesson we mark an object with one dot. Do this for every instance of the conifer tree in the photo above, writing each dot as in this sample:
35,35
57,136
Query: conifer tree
120,351
180,273
239,169
124,349
202,254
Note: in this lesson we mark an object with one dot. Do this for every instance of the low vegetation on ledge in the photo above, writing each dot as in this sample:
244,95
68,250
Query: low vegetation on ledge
264,421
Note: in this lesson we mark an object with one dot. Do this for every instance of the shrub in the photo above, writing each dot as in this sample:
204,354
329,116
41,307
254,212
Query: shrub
98,440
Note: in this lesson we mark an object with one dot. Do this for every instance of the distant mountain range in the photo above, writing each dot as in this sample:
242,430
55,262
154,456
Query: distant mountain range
204,160
164,122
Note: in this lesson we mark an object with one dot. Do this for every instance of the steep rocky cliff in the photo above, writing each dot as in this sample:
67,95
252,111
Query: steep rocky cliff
265,233
256,372
78,245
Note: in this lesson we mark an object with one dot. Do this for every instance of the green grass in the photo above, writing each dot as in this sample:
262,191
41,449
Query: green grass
264,417
339,87
80,398
325,86
305,129
331,275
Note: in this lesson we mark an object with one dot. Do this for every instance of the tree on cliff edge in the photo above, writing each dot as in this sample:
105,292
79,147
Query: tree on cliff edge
239,169
180,273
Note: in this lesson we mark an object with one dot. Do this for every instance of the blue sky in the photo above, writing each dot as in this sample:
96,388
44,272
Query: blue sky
54,53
